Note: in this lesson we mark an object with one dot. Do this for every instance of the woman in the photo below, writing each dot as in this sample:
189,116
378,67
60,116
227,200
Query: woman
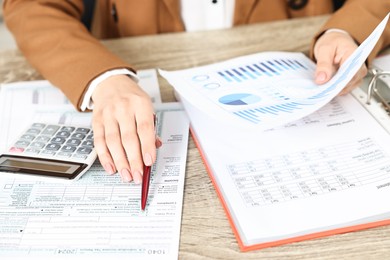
57,44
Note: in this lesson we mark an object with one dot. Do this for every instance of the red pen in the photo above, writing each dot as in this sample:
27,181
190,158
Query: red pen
146,179
145,186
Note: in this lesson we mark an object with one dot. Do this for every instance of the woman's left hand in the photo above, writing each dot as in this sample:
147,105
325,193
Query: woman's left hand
330,51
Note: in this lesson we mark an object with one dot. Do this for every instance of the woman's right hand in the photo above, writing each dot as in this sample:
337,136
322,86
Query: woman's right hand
123,125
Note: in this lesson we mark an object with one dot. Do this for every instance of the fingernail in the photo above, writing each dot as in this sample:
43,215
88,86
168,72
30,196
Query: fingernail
321,76
147,159
125,174
158,142
109,169
137,177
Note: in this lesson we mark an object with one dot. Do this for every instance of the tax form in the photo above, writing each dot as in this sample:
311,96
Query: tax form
98,216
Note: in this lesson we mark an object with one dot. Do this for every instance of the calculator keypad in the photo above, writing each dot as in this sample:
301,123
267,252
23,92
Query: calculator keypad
55,141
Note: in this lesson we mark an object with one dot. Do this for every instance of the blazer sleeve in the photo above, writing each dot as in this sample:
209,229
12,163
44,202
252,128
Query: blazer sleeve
359,18
55,42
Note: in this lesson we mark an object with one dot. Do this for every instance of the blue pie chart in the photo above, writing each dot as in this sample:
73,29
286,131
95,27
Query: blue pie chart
239,99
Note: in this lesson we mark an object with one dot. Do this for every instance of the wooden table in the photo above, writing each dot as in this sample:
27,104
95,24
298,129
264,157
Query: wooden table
205,231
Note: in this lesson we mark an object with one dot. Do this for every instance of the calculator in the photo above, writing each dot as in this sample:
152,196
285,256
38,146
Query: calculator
63,152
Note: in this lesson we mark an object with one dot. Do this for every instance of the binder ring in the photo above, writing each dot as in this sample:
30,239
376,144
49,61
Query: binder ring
372,87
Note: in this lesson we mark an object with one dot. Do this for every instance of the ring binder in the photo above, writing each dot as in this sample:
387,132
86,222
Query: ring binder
373,90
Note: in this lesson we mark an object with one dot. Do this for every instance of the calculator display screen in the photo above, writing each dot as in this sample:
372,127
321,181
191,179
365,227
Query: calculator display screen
40,166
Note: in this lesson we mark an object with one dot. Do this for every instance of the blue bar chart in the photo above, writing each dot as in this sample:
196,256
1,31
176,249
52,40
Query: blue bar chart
254,114
265,68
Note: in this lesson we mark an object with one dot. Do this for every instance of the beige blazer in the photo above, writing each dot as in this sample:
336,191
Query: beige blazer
55,42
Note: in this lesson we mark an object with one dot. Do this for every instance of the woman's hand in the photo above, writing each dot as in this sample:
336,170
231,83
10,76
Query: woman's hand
331,50
123,126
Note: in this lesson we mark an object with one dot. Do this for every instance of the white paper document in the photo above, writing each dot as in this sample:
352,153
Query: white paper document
265,89
326,171
98,216
149,83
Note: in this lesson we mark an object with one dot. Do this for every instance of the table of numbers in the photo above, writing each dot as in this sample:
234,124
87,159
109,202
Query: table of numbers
310,172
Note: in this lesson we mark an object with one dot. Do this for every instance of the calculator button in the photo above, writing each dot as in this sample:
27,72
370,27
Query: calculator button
58,140
53,147
78,136
64,154
90,137
87,143
68,148
33,131
32,151
80,156
42,138
68,129
38,145
16,149
38,125
50,130
82,130
74,142
65,134
48,152
84,150
21,143
27,137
